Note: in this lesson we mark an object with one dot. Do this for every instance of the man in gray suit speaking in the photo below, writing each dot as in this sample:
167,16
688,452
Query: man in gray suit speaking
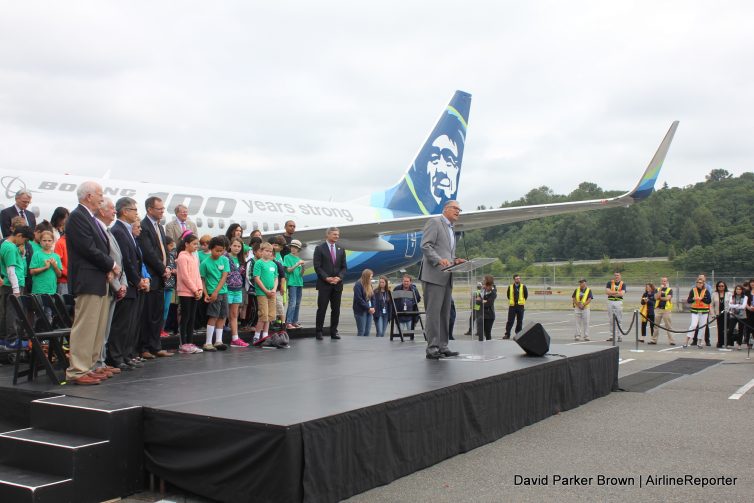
438,247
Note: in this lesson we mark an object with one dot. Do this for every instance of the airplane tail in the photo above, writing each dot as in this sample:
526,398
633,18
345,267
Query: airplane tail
432,179
646,184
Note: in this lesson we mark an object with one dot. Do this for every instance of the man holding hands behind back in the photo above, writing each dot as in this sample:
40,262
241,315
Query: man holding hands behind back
438,246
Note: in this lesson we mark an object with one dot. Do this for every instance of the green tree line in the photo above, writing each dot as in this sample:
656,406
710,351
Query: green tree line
700,227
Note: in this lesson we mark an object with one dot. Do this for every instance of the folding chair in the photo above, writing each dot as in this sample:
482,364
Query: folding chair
60,316
25,330
397,297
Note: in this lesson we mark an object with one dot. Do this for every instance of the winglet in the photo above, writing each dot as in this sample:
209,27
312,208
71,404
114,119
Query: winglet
646,184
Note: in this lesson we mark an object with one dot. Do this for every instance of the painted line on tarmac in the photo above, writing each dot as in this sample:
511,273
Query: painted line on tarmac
670,349
743,389
582,342
621,362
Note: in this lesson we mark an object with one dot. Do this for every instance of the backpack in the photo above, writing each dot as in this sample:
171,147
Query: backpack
277,337
235,276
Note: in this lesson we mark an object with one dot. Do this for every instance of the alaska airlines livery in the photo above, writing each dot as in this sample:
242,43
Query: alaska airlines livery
382,231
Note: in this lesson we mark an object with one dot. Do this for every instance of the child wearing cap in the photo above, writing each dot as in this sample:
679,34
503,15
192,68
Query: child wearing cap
294,269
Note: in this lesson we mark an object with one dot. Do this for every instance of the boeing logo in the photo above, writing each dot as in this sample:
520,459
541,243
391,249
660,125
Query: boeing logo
12,184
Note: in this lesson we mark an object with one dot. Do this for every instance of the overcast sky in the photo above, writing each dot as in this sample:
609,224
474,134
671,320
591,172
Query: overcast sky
334,97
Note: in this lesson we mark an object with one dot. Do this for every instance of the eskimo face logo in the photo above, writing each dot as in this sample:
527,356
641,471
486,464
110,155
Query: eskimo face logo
12,184
443,169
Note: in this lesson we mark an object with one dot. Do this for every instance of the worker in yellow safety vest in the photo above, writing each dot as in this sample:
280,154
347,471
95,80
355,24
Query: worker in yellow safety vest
517,295
615,291
663,311
581,298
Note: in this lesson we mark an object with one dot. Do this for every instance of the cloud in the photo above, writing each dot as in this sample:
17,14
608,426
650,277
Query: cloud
335,97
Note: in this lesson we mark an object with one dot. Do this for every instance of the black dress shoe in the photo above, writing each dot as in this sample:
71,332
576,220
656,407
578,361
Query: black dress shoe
335,336
449,353
506,336
123,366
434,356
319,336
134,364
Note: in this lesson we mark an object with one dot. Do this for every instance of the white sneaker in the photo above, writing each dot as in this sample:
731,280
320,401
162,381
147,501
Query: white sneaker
577,338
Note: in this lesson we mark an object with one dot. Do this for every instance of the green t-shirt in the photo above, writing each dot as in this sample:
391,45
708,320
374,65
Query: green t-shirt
9,255
35,247
267,272
212,271
294,278
22,269
47,281
203,255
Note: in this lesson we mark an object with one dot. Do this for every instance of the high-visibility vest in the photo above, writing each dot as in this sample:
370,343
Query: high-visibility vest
664,293
699,306
584,297
612,287
521,299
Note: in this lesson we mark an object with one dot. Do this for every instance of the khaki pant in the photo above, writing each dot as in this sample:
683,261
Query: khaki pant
582,322
87,333
662,314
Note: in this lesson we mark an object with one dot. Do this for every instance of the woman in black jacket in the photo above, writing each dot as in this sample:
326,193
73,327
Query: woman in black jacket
486,299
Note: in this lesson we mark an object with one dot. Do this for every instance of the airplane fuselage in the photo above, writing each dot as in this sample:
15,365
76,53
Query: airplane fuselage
213,211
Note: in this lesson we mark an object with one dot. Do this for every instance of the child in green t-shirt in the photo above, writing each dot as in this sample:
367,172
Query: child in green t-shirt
266,284
45,266
294,268
214,271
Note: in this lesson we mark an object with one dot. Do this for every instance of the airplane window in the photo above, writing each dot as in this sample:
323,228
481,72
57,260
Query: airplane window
277,227
221,223
243,224
256,225
210,223
199,222
265,226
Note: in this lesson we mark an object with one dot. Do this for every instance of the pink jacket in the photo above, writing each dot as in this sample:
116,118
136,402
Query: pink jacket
189,280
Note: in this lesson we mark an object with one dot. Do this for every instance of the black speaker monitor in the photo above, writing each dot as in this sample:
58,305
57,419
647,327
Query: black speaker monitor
533,339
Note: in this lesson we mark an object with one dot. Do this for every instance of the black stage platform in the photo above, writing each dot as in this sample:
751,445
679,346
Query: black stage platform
325,420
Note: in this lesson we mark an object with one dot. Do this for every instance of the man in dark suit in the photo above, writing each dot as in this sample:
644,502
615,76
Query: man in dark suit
152,241
439,248
89,268
23,200
330,266
125,329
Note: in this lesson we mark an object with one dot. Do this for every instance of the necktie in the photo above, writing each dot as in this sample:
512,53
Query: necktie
159,240
22,214
183,226
332,253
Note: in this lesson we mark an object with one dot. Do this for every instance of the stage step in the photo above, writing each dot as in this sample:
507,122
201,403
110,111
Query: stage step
96,445
17,484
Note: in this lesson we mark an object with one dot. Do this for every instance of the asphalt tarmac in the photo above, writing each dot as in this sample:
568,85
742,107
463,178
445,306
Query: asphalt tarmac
684,440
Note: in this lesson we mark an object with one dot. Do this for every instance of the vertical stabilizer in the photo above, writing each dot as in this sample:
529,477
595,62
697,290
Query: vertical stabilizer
433,177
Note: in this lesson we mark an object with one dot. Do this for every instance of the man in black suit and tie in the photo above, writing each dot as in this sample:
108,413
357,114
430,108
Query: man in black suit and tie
152,241
89,269
20,209
125,329
330,266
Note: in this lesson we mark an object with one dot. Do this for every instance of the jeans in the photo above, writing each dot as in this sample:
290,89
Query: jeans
363,323
294,303
166,309
380,324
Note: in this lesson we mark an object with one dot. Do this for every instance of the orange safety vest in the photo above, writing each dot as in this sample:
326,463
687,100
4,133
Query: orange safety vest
699,306
612,287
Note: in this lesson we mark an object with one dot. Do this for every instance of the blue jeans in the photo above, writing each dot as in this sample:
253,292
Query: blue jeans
166,309
363,323
294,303
381,324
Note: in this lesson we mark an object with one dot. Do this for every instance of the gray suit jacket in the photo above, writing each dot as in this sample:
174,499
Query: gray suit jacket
436,245
116,255
173,229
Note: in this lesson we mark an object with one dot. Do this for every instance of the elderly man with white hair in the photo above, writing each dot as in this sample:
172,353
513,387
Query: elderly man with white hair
90,268
181,224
